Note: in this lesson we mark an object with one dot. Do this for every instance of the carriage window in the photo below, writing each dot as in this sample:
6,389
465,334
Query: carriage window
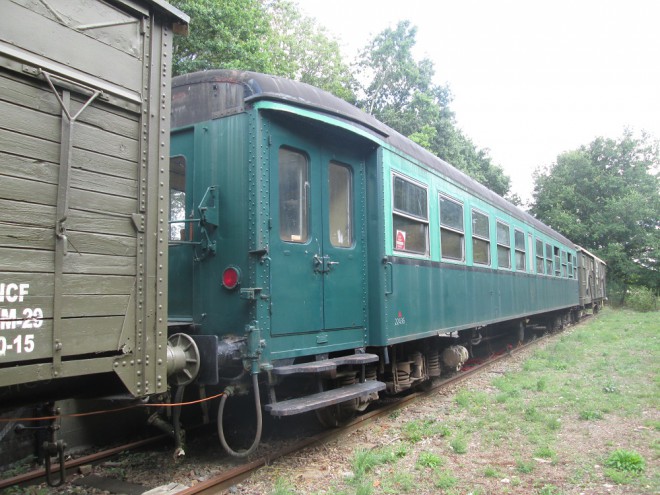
340,182
452,234
410,217
557,263
503,246
177,198
570,265
294,188
539,257
564,267
548,259
519,238
480,238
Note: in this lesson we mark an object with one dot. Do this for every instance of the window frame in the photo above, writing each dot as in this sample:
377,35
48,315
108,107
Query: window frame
540,258
454,230
503,246
178,228
350,206
410,216
549,260
517,250
305,200
481,238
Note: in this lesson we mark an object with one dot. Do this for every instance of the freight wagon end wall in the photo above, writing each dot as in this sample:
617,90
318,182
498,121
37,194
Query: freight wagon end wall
84,101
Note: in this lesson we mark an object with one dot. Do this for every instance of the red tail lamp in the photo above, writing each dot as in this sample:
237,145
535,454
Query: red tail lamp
231,277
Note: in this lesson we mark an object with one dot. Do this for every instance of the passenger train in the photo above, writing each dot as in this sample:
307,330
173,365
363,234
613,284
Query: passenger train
252,235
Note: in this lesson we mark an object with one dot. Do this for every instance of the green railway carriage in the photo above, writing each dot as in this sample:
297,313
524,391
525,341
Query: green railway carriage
314,242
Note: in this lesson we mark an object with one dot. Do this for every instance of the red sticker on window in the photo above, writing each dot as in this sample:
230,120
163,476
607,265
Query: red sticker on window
400,240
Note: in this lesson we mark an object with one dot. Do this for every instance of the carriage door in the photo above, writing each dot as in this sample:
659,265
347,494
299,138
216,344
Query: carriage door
316,240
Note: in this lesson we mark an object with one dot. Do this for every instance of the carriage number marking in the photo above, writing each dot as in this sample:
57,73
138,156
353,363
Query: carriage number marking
12,318
22,343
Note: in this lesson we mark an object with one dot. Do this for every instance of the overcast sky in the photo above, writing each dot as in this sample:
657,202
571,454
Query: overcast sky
530,79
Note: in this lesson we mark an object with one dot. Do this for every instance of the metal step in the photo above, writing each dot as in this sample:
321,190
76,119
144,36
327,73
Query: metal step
325,365
324,399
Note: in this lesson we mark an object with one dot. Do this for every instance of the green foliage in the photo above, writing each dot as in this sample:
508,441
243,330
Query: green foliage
626,461
445,480
398,482
549,490
545,452
227,34
642,299
365,460
282,487
459,444
524,467
429,460
491,472
303,50
605,196
399,91
263,36
416,430
590,415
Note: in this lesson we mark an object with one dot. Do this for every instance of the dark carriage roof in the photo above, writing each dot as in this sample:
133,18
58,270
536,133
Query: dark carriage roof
190,106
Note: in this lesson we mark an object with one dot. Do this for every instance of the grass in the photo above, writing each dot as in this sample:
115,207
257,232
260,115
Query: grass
562,417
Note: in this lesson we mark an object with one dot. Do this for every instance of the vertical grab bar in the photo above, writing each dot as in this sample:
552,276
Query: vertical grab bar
389,278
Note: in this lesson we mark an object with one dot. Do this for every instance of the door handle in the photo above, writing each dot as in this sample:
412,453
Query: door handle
318,264
322,264
330,264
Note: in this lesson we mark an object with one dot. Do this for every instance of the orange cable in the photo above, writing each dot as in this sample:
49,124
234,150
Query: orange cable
93,413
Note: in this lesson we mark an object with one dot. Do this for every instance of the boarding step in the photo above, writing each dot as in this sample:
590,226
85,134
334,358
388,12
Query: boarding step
324,399
325,364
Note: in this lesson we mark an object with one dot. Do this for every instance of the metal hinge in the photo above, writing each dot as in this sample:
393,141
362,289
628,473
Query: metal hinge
250,293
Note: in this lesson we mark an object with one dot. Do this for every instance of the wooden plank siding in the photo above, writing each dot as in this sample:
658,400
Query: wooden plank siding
99,269
74,48
84,196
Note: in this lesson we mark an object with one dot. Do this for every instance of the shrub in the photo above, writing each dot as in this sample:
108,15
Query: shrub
642,299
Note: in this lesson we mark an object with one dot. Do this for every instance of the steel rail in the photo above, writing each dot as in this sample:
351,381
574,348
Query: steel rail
229,478
233,476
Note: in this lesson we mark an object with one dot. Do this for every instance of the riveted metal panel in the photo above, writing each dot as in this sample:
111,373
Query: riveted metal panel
84,159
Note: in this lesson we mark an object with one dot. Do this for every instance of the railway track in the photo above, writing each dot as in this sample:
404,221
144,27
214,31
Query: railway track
236,474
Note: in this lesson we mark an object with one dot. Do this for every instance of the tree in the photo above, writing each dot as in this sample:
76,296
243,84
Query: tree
400,92
605,196
229,34
395,88
262,36
304,51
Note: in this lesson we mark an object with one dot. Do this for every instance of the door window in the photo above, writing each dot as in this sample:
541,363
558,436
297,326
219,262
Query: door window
294,188
340,185
177,198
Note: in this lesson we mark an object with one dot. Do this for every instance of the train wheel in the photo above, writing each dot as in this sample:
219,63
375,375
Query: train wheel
338,414
596,309
335,416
